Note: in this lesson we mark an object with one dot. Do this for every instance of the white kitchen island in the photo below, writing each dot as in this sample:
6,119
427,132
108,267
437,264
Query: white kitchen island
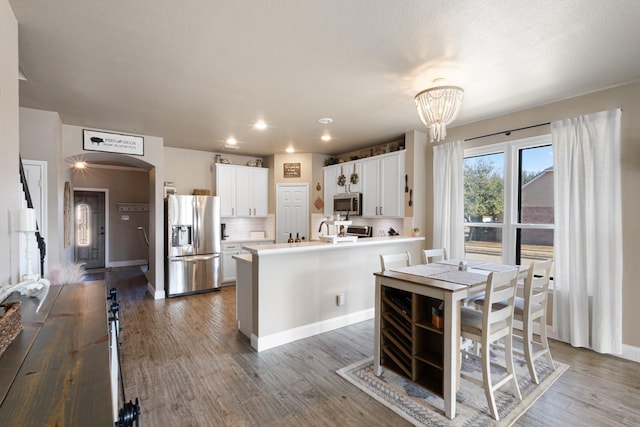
290,291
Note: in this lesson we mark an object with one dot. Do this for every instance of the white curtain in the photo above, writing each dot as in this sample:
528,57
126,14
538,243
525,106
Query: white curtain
588,234
448,198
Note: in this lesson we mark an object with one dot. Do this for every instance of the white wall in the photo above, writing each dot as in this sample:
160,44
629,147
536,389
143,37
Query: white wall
39,130
9,141
190,169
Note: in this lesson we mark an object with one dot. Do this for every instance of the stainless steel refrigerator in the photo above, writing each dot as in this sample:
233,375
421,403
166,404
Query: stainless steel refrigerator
192,242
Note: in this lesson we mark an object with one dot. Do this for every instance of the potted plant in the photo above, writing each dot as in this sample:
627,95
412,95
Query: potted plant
416,231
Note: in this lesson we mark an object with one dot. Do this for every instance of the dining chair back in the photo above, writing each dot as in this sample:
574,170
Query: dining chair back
488,326
428,255
531,310
395,260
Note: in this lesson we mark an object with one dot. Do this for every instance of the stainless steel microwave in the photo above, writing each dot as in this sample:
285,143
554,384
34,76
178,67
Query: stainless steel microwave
348,203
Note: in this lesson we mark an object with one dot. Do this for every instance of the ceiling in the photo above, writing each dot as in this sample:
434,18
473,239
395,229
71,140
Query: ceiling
198,72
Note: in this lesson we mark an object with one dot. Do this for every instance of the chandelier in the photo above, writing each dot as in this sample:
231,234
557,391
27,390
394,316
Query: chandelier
437,107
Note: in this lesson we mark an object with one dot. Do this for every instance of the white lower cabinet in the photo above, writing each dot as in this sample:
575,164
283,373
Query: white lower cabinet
228,263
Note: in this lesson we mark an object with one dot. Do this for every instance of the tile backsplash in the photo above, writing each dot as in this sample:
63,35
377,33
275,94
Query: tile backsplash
238,228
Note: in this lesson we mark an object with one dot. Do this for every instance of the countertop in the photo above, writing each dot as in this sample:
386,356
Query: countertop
243,257
317,245
246,240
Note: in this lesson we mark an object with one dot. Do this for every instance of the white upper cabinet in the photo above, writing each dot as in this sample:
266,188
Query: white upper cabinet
383,186
352,182
243,190
380,179
226,189
330,187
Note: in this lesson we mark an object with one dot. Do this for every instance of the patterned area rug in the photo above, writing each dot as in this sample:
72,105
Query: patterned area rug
422,408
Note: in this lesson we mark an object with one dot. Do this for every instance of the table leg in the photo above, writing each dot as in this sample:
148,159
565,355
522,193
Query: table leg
376,330
451,331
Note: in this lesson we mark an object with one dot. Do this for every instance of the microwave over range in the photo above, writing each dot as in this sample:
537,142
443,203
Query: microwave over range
348,204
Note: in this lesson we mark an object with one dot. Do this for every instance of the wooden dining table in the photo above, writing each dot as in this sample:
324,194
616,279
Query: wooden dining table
442,281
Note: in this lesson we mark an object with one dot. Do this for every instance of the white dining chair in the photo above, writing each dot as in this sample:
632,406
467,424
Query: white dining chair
428,255
489,326
530,310
395,260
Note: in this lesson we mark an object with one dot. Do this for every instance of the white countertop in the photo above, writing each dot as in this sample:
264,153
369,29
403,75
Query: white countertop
317,245
243,257
246,240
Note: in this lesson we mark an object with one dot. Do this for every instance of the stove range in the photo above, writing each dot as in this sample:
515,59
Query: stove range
360,231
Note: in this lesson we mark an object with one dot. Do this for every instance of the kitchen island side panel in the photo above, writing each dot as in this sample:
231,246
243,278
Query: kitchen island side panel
295,291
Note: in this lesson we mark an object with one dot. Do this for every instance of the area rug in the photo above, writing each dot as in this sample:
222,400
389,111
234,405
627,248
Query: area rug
422,408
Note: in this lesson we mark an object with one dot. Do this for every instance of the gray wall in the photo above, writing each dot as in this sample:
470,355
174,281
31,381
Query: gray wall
9,131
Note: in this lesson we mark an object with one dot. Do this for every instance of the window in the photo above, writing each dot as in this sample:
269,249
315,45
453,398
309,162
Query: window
83,225
508,201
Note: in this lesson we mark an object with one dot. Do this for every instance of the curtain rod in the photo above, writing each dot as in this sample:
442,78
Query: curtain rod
508,132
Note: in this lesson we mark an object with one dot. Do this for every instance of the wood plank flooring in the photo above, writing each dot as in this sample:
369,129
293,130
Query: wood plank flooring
189,366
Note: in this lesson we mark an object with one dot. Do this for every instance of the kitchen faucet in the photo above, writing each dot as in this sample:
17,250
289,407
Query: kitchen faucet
321,224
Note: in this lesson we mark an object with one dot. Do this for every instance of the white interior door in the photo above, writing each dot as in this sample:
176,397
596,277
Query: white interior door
36,173
292,211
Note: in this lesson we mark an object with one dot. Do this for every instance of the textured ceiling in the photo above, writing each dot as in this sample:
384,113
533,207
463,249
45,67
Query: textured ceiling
199,71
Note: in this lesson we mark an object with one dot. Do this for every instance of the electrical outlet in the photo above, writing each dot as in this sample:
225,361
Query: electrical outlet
340,299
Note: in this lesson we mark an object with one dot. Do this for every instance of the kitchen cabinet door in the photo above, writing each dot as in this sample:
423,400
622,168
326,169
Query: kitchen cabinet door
370,188
260,192
243,190
226,189
392,185
330,187
383,186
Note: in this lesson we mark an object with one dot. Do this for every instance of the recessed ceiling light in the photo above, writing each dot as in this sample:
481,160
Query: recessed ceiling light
80,165
232,141
290,150
325,120
326,137
260,124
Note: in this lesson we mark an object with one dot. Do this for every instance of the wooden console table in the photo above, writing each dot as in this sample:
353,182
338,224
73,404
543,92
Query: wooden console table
56,372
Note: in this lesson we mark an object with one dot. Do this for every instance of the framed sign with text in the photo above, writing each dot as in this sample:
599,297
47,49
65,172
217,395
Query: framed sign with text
292,170
112,142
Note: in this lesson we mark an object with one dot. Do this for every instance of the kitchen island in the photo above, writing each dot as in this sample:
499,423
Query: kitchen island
293,291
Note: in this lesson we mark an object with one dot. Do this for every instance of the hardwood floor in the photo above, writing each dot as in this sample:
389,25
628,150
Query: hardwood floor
189,366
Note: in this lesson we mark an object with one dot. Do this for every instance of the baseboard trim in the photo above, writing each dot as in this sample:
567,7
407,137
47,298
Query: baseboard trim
630,352
290,335
155,293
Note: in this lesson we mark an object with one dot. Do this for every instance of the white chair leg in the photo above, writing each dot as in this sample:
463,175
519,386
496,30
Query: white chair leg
509,365
545,345
486,379
528,350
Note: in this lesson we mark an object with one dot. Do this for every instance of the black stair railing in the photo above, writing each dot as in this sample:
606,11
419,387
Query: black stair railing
42,247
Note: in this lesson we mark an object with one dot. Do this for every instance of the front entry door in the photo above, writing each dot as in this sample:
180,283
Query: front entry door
89,213
292,211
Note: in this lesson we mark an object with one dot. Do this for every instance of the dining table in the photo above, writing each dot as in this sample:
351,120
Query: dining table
450,282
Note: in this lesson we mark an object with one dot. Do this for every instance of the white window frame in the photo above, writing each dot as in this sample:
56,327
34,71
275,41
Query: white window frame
509,226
